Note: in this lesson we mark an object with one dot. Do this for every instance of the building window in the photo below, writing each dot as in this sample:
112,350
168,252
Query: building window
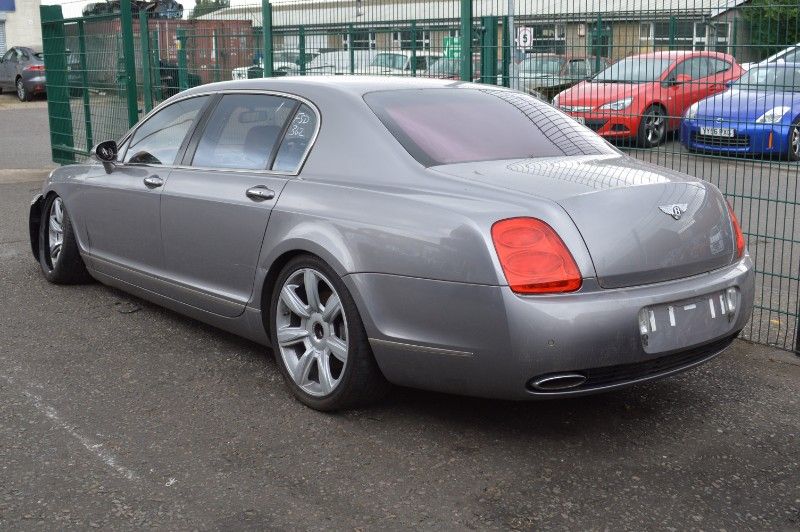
547,38
662,34
402,39
362,40
713,37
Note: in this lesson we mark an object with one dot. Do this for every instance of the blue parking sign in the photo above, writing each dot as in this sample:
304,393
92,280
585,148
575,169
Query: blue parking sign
7,5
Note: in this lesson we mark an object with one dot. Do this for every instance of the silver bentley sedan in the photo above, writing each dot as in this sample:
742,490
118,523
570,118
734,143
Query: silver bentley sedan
442,235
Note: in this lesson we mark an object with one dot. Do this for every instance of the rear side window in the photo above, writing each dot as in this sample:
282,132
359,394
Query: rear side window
158,140
446,126
696,68
243,131
718,66
295,143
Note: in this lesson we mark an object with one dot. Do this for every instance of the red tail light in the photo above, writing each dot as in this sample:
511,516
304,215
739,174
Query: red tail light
737,231
534,258
34,68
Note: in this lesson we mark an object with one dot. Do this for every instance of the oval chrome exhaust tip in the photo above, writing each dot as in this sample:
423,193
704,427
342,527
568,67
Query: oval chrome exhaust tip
557,382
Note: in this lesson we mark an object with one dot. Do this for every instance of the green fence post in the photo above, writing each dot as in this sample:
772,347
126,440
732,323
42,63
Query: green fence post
129,61
507,40
266,25
673,30
413,47
489,51
183,77
157,66
301,45
217,67
466,40
87,110
350,49
144,44
55,63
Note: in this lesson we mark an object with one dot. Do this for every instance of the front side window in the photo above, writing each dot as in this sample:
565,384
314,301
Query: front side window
158,140
242,131
388,60
447,126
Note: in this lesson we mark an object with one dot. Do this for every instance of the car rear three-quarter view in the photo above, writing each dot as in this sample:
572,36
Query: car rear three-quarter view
427,233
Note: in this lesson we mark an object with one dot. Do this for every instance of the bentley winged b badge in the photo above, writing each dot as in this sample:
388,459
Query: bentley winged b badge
675,210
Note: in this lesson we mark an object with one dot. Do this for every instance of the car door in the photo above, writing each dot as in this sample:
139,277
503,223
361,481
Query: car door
683,94
122,208
8,68
217,204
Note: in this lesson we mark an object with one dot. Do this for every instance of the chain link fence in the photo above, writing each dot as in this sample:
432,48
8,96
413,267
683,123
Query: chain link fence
705,87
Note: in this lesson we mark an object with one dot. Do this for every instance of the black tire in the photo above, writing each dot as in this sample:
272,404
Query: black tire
22,94
361,381
794,141
649,135
69,267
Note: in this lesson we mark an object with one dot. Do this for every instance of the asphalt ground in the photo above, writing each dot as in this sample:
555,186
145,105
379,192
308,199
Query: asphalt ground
115,413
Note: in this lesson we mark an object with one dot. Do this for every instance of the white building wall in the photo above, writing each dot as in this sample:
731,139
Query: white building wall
23,26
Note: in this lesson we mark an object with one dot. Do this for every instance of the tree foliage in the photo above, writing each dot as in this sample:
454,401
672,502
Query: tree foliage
204,7
773,24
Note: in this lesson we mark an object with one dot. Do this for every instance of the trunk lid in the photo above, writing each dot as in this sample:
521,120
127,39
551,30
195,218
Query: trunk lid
641,223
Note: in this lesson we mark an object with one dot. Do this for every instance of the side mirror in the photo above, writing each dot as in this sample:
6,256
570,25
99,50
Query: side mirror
106,153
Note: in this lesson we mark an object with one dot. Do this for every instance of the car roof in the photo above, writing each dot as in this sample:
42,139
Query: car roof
681,54
353,85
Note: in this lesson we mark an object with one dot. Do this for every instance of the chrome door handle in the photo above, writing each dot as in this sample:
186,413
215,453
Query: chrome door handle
260,193
153,181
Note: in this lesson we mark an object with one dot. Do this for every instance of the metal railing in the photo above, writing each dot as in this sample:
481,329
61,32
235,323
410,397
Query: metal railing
105,72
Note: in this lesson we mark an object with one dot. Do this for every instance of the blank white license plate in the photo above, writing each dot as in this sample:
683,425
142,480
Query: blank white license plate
690,322
718,132
579,119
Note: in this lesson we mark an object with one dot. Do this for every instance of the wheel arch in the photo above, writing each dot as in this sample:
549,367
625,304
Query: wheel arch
35,223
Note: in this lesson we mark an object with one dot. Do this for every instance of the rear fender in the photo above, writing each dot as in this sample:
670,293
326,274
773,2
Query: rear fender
35,222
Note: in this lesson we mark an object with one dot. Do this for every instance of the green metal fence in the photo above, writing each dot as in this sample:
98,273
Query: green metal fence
105,72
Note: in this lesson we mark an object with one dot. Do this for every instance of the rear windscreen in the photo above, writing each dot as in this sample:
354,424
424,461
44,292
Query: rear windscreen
446,126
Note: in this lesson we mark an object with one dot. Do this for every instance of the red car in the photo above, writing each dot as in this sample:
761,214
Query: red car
642,97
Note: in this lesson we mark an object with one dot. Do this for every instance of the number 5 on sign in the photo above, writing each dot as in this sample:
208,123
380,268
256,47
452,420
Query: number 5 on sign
524,37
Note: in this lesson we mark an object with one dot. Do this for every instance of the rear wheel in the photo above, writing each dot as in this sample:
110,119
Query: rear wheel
652,127
320,343
22,94
59,257
794,141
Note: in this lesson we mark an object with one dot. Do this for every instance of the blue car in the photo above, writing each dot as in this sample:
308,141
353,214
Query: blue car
758,114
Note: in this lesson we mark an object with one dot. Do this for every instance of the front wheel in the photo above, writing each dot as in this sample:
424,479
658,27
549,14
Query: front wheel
652,127
794,142
59,257
319,339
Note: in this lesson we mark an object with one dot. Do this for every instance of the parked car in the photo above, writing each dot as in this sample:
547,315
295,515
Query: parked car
760,113
162,9
283,62
643,97
338,62
400,63
545,75
787,55
22,70
448,236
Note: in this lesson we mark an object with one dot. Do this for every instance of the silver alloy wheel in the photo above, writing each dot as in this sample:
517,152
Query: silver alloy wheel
20,90
795,142
55,228
654,126
312,335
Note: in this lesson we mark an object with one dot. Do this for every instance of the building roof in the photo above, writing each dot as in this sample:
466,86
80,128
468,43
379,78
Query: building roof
338,12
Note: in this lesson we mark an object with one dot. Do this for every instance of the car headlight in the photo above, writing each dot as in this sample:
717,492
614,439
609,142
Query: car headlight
691,112
773,116
618,105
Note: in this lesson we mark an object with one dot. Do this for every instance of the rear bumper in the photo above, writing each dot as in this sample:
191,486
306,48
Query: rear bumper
750,138
35,85
487,341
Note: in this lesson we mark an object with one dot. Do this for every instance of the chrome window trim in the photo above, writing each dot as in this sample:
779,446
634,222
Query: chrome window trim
265,92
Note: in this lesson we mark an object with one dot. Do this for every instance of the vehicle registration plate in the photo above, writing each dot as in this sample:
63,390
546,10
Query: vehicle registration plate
579,119
718,132
689,322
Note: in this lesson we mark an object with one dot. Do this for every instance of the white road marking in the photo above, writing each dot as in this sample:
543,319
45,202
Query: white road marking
94,447
672,316
711,306
652,321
